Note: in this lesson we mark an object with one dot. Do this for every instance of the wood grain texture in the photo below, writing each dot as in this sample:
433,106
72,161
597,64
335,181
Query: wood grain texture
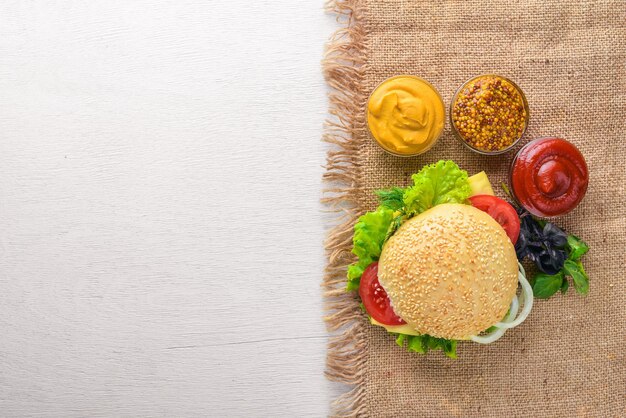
160,231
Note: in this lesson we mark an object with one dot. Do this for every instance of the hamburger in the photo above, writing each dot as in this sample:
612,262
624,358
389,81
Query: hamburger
437,262
449,272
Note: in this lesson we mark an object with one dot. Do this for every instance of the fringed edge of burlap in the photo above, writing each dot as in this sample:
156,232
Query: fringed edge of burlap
344,68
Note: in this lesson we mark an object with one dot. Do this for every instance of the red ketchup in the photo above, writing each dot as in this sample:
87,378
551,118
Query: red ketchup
549,177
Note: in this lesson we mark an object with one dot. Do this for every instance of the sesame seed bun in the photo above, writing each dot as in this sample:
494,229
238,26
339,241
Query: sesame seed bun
450,272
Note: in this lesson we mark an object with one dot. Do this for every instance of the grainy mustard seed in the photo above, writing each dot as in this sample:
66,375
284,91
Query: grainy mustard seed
489,113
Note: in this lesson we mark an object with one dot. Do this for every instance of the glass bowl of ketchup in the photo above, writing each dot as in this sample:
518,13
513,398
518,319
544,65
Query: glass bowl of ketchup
549,177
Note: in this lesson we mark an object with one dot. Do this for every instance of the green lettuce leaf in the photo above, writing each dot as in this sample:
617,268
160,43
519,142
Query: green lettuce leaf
422,343
442,182
369,235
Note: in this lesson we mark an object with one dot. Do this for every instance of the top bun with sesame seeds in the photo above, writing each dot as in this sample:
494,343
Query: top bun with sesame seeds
450,272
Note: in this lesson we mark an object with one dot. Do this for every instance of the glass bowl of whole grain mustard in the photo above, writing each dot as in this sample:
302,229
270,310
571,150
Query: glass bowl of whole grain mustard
489,114
405,115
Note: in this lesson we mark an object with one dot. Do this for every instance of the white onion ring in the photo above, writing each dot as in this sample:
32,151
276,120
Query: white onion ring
497,334
526,298
527,295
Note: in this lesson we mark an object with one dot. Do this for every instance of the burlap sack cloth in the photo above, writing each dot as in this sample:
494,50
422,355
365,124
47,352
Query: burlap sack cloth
569,57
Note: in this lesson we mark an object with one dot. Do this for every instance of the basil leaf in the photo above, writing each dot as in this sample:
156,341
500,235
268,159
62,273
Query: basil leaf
564,286
546,285
557,237
580,278
576,247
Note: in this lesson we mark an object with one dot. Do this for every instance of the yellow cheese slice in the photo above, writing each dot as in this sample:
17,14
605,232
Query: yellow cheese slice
398,329
480,184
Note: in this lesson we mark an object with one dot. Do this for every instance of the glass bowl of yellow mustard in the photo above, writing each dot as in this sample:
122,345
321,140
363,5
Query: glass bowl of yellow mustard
489,114
405,115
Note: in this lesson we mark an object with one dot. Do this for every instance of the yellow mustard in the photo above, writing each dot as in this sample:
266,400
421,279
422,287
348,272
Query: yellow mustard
405,114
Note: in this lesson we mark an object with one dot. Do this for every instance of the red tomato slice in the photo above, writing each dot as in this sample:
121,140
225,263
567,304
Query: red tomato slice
375,298
501,211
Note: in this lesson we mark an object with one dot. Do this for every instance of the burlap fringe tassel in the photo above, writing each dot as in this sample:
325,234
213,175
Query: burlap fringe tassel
343,67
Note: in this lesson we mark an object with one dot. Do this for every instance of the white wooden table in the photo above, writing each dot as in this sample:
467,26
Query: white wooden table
160,231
